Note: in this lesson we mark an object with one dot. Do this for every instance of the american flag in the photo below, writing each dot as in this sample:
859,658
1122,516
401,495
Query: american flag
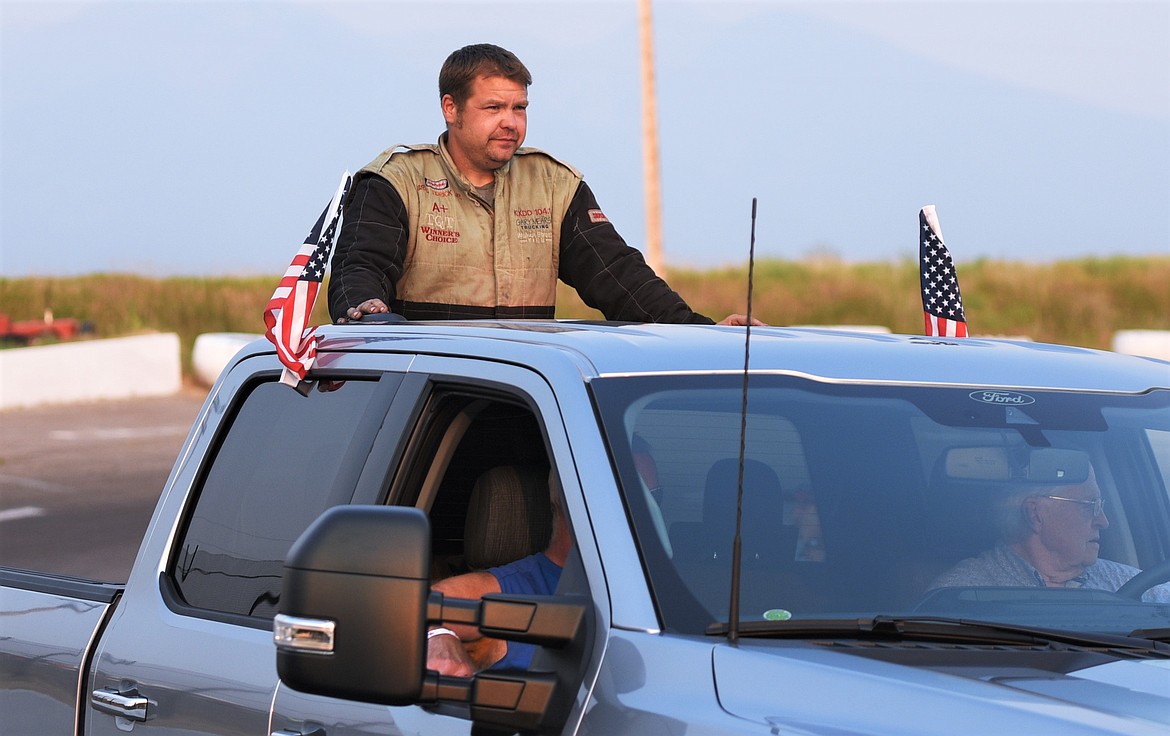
288,311
942,305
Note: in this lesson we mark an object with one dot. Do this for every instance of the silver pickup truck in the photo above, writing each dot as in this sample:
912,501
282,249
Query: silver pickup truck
841,540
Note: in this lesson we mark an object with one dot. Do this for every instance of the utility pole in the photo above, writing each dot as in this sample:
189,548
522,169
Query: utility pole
650,166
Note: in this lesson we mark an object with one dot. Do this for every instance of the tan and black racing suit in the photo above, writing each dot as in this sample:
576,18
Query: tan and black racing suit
422,239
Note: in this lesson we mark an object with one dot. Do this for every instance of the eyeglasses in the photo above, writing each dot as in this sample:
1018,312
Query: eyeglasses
1096,506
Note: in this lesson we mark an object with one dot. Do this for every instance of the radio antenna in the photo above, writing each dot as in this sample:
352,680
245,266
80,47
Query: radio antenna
737,542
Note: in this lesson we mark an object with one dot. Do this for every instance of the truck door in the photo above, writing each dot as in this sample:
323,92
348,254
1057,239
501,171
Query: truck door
190,649
470,417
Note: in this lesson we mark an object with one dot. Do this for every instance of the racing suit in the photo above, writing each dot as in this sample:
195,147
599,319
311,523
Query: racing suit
421,238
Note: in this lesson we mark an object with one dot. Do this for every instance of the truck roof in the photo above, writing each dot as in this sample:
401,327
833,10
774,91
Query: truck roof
608,349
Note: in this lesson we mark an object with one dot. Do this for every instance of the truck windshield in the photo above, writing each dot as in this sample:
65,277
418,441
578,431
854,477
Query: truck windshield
1016,506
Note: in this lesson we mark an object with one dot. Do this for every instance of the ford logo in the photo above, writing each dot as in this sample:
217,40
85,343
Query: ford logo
1005,398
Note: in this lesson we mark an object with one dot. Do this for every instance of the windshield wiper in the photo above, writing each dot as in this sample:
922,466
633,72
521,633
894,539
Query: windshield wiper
1159,634
941,629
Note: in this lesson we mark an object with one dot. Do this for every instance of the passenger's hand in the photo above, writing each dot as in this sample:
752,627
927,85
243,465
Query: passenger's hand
369,306
447,656
740,320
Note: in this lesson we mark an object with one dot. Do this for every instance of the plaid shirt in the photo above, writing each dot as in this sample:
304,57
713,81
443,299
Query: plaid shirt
1001,566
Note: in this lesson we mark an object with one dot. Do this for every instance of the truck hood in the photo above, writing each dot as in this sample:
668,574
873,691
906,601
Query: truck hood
814,690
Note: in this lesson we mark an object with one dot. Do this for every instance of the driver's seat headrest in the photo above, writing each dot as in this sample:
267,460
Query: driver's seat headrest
509,516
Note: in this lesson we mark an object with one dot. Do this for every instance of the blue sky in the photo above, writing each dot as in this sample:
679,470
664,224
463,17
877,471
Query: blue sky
204,138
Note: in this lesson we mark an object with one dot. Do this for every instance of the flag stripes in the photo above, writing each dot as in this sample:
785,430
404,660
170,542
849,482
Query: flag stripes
942,304
289,310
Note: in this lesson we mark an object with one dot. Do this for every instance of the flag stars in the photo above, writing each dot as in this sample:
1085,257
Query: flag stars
940,285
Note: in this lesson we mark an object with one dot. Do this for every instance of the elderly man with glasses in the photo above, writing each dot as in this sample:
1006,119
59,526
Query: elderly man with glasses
1050,537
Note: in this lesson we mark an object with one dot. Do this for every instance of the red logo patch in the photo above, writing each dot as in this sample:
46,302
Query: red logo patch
596,216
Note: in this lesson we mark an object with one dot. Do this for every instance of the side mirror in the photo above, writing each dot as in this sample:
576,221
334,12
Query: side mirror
354,608
352,614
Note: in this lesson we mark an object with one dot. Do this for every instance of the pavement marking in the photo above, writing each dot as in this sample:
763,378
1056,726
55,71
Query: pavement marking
24,512
33,483
119,433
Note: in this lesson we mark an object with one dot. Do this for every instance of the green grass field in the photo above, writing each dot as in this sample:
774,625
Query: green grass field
1074,302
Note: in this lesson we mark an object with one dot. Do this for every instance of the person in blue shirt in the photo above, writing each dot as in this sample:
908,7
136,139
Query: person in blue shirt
462,650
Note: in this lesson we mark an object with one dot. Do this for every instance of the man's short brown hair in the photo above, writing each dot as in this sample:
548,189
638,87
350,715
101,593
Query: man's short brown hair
467,64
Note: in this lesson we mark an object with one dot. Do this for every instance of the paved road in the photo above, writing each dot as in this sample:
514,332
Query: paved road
79,483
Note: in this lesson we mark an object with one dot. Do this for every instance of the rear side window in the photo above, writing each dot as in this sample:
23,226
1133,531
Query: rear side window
284,459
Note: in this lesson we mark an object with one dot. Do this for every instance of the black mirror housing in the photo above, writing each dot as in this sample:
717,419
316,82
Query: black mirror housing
353,605
354,609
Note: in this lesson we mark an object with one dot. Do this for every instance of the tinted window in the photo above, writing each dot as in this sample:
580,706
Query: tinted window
284,459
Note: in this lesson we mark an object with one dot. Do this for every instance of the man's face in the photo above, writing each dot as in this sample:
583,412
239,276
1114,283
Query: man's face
486,130
1070,531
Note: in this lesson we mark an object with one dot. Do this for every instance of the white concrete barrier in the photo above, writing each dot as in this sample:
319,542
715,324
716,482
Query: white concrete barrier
213,351
70,372
1150,343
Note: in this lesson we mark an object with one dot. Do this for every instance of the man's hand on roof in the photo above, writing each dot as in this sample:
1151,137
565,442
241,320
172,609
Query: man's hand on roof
740,320
369,306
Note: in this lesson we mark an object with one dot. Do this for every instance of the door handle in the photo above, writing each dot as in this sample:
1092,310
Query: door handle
129,704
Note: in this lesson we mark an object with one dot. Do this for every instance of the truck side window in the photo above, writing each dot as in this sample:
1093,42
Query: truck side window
284,459
468,434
